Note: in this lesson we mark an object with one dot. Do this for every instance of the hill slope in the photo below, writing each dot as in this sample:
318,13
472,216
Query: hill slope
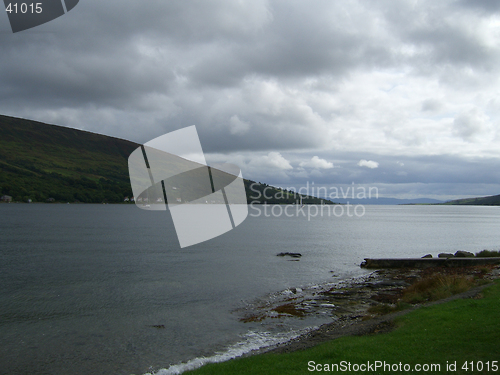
389,201
40,161
493,200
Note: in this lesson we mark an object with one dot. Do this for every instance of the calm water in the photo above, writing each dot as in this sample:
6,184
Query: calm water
83,285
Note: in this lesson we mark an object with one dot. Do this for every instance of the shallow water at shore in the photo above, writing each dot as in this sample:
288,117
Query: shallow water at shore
89,288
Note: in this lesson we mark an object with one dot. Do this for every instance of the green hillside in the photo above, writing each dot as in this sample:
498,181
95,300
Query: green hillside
40,161
493,200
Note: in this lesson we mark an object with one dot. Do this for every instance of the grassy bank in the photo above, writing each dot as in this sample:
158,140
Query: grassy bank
464,330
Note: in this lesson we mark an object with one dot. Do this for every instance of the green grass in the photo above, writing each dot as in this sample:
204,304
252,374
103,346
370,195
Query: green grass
460,330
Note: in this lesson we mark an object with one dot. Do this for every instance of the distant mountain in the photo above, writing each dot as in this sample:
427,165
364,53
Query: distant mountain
48,162
388,201
493,200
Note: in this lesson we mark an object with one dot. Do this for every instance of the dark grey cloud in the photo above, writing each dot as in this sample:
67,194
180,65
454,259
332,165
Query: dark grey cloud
483,5
262,78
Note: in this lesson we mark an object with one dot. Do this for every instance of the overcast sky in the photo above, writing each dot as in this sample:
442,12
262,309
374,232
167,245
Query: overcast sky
402,95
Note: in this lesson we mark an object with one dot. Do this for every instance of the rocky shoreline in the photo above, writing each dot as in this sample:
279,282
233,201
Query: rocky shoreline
358,327
357,306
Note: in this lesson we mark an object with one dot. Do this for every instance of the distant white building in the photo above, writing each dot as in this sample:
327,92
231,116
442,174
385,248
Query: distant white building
6,198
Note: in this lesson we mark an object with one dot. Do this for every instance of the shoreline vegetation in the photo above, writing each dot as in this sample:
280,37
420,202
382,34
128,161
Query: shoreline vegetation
374,308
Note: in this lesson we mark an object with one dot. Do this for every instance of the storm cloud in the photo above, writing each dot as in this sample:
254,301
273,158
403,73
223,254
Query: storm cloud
289,90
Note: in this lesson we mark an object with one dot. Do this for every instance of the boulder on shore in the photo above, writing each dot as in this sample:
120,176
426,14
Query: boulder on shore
445,255
293,255
464,254
427,256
